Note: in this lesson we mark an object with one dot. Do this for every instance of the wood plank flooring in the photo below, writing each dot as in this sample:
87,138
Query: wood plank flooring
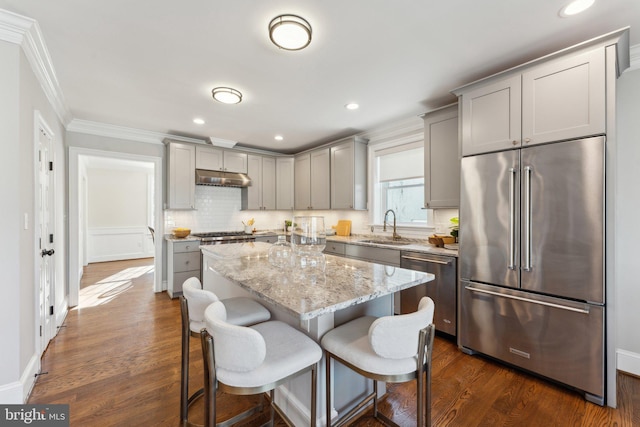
116,362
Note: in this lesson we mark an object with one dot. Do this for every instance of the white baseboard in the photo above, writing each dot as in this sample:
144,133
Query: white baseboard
628,362
28,378
17,392
11,394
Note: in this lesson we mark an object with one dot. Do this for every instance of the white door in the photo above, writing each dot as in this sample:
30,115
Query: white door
45,239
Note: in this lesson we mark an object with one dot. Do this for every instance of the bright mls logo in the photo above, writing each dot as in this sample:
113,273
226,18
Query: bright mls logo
34,415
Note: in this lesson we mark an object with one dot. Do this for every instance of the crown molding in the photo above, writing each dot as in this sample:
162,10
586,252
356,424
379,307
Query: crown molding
122,132
26,32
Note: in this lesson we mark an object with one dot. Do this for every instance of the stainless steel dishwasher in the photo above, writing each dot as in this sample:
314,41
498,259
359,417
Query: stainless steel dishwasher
442,290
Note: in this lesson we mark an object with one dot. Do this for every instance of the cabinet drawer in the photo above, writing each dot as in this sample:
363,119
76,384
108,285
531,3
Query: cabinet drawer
179,278
267,239
186,261
335,248
371,254
189,246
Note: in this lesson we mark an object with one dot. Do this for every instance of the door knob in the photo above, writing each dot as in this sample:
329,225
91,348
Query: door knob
45,252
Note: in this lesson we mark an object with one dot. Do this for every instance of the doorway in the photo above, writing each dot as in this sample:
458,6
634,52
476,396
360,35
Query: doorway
79,252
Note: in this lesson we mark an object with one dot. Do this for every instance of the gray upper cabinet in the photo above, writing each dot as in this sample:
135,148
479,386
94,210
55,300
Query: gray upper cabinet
491,117
441,158
312,180
557,99
218,159
349,174
181,178
284,182
564,99
261,194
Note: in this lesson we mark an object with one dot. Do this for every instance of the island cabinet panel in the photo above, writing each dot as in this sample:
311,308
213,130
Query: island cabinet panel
441,159
557,99
181,178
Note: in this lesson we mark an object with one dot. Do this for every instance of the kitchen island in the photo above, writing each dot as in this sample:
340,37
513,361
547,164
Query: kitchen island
315,304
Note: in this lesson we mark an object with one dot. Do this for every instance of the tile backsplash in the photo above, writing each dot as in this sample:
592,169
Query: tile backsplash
218,209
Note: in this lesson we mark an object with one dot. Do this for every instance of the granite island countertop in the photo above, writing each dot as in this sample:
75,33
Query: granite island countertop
345,283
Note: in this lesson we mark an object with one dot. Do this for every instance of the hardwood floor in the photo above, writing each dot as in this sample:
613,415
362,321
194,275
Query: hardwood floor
116,362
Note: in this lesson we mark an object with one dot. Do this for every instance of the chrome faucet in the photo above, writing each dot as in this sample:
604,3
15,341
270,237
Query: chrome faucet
396,236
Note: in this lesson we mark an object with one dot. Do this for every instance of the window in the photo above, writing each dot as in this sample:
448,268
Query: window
399,183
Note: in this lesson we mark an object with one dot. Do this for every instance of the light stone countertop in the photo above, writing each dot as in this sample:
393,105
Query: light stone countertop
416,245
346,282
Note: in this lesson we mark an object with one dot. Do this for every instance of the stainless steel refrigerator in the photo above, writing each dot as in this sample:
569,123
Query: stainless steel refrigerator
532,273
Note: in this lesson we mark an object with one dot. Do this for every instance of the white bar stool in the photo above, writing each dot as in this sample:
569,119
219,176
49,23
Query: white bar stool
390,349
251,360
242,311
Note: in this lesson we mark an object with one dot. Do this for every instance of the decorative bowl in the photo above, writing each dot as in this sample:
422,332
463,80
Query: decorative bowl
181,233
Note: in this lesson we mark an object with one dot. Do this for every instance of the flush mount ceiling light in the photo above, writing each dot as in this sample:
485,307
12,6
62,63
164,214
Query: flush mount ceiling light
575,7
226,95
352,106
278,138
290,32
198,121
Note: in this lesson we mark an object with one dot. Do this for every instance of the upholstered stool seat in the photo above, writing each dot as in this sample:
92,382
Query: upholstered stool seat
242,311
390,349
251,360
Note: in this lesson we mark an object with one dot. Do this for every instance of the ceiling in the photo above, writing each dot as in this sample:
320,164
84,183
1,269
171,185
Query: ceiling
151,64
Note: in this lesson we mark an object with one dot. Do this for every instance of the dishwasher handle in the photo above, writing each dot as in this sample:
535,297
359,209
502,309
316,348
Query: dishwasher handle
435,261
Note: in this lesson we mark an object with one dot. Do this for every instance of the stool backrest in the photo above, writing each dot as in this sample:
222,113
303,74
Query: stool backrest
197,298
236,348
396,337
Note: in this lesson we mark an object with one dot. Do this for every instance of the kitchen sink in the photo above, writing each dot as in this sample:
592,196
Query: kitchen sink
385,242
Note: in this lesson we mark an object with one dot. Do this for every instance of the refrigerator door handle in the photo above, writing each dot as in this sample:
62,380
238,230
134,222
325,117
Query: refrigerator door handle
526,264
512,219
533,301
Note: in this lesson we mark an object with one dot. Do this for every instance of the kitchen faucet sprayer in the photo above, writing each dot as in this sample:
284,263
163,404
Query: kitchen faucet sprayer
395,236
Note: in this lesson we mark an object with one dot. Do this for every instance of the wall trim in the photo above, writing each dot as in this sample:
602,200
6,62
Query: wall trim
628,362
17,392
26,32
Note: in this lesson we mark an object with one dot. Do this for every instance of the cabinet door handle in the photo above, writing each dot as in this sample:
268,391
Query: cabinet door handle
514,142
527,140
435,261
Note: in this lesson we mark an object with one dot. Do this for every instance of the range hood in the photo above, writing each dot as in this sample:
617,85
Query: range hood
222,179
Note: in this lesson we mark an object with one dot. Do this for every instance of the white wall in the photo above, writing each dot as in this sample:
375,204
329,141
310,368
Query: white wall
21,96
627,228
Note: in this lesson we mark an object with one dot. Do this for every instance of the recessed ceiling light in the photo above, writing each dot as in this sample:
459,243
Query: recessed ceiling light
198,121
352,106
227,95
278,138
290,32
575,7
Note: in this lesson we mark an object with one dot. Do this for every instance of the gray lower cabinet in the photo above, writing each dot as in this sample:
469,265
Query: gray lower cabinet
335,248
378,255
271,238
184,262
